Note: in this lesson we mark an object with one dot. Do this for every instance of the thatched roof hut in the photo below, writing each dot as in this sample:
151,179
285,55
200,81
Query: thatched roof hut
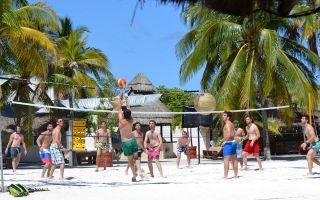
143,87
140,84
157,106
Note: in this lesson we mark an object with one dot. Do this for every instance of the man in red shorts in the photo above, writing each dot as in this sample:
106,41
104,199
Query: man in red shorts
252,146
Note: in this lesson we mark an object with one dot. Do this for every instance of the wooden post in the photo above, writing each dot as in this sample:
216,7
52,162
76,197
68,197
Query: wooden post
171,138
1,164
198,145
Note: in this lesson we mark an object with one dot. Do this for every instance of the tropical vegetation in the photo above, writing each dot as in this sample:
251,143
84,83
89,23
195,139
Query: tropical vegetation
252,61
39,51
246,60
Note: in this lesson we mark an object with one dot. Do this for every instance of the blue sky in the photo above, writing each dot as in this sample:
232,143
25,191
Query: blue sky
147,46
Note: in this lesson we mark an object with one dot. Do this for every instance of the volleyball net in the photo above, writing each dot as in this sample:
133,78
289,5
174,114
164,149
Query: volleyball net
147,112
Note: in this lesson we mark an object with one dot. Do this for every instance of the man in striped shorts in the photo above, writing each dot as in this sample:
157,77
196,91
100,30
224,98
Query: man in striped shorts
56,149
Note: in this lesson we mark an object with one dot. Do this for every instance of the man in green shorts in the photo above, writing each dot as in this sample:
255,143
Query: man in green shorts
129,143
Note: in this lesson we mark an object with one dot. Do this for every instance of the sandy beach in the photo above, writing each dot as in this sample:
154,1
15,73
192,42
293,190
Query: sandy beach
282,178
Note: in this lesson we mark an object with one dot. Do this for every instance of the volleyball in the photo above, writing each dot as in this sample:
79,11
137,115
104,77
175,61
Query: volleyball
122,82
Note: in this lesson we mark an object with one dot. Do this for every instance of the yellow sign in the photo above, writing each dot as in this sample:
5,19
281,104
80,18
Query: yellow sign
78,134
79,129
81,123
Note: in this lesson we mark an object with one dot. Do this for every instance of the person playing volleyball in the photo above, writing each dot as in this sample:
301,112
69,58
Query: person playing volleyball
252,146
129,143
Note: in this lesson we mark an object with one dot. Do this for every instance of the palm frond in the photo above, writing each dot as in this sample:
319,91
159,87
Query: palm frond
37,15
186,44
267,44
230,75
248,91
79,78
300,52
298,86
273,125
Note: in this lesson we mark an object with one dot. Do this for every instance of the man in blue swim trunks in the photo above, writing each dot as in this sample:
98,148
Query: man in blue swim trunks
229,145
15,141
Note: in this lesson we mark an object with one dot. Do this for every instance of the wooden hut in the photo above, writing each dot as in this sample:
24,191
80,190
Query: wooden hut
140,86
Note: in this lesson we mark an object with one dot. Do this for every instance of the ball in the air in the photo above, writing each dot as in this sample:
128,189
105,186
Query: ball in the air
122,82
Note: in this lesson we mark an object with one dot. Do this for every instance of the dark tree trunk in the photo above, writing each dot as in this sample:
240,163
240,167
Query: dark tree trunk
267,154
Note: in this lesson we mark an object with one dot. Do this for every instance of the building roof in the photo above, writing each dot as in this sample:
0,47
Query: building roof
104,103
140,83
156,106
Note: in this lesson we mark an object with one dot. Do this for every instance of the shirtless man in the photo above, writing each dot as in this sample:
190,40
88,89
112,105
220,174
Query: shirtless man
183,146
15,141
155,144
138,134
311,137
229,145
56,149
129,143
44,141
240,136
252,146
103,143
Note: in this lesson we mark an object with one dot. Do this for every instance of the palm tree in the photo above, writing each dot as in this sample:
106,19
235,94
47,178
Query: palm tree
25,51
78,64
308,28
305,30
246,61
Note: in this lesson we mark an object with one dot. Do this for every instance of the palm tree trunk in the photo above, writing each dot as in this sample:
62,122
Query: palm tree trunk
69,138
267,154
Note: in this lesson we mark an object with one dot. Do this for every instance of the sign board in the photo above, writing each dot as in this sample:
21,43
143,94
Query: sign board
78,135
79,123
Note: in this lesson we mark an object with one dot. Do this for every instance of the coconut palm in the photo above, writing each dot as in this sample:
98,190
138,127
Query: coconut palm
308,27
78,64
246,60
25,51
305,30
20,28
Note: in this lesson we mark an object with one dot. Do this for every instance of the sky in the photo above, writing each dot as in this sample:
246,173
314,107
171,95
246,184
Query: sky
148,46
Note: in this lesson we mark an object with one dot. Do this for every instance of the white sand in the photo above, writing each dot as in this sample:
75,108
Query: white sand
281,179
